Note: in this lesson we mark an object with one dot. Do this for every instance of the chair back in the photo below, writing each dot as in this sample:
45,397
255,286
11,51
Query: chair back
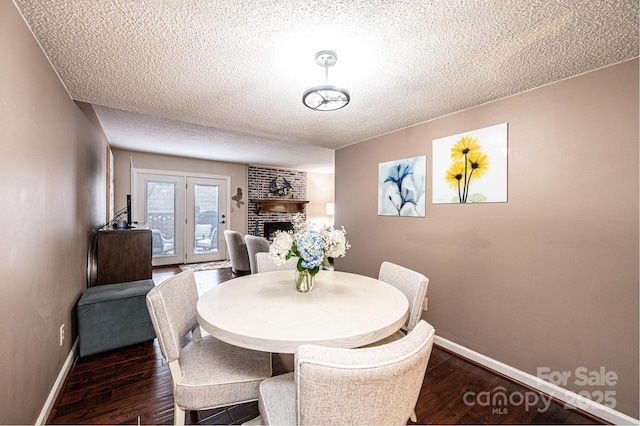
264,263
255,245
172,308
413,284
237,251
203,231
157,242
378,385
210,242
213,238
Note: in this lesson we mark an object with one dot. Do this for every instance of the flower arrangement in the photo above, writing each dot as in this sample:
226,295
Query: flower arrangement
312,247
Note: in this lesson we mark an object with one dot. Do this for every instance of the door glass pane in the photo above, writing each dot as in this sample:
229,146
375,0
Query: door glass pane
205,218
160,211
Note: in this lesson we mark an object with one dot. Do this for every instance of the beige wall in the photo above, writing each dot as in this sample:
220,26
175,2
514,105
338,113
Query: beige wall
53,186
320,191
548,279
141,160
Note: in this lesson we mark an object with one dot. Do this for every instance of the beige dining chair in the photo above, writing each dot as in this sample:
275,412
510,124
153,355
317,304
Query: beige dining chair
264,263
238,254
414,286
377,385
206,373
255,244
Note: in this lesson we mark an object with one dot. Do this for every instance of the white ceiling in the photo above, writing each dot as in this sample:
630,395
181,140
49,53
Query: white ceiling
222,79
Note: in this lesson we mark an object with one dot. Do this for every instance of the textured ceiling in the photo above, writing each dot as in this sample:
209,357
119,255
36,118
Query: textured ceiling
222,79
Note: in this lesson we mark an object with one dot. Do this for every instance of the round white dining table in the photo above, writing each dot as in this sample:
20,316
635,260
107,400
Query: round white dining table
265,312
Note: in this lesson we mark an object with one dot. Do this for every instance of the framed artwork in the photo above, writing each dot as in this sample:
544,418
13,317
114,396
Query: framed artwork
401,187
471,167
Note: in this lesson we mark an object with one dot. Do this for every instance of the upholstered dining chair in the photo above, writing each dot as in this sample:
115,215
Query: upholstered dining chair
377,385
264,263
414,286
238,253
206,373
255,245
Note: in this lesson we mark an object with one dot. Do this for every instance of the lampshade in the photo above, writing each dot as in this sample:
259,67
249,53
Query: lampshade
326,97
330,209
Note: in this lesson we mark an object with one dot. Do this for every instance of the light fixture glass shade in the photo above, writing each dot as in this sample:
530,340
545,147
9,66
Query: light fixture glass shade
326,98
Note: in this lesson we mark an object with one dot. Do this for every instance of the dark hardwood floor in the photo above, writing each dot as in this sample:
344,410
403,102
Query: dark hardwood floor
133,386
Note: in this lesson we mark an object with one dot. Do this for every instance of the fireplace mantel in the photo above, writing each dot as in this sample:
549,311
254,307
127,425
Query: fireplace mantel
278,205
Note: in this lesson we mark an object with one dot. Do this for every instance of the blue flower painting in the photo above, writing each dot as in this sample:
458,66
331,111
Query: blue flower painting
401,187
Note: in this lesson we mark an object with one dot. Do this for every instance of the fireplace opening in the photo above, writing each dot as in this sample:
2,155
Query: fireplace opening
271,227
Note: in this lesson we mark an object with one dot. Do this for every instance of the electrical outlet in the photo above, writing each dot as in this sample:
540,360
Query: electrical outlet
425,304
61,334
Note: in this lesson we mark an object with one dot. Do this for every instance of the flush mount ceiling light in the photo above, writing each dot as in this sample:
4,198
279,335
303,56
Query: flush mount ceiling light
326,97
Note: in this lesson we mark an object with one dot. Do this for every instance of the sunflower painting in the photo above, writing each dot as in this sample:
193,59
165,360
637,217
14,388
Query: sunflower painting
401,187
471,167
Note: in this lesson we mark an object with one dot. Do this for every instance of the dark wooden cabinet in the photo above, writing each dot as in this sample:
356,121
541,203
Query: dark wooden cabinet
123,255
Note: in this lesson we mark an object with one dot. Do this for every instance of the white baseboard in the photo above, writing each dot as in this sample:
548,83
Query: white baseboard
601,411
57,386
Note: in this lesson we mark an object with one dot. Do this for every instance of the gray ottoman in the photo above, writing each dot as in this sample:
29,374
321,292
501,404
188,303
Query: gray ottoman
113,316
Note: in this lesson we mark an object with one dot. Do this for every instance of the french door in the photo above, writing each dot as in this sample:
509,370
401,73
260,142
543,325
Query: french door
187,215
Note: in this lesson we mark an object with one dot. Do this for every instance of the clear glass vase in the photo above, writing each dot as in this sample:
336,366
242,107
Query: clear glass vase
304,280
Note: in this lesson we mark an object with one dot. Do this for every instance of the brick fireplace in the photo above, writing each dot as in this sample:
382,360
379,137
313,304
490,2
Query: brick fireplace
271,227
259,180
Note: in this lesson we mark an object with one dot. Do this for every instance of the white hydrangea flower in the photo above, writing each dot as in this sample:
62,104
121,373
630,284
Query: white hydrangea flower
335,243
280,247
